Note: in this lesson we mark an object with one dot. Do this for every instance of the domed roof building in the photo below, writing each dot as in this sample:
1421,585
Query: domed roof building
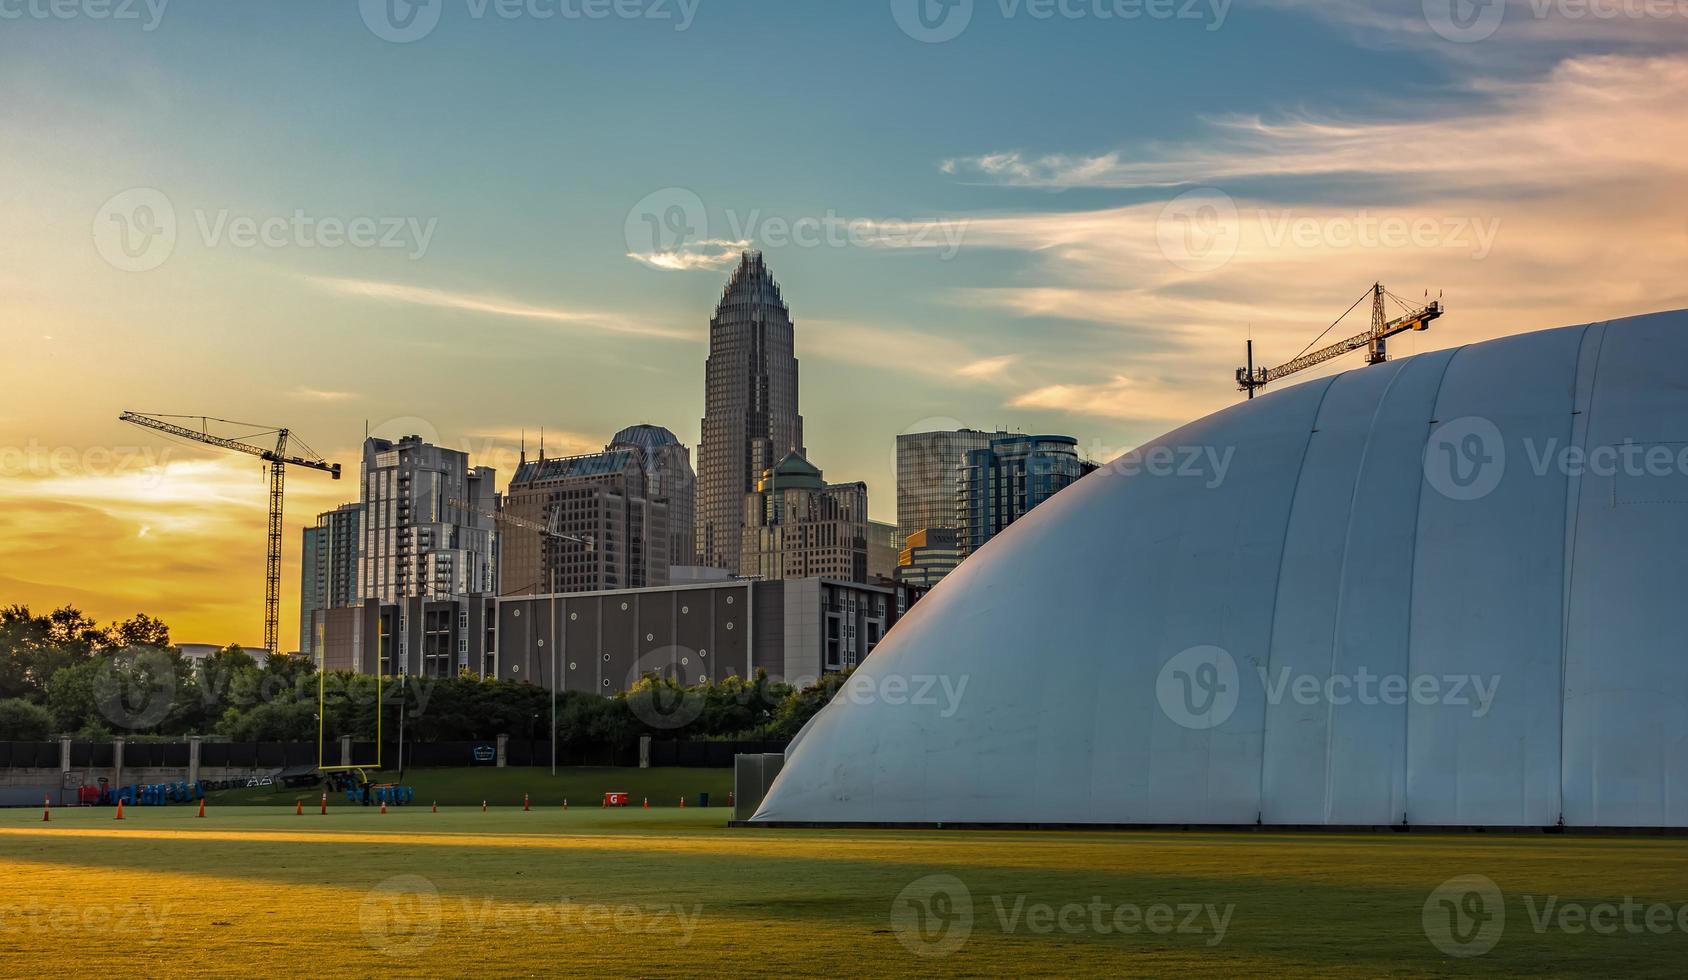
669,476
644,436
1441,591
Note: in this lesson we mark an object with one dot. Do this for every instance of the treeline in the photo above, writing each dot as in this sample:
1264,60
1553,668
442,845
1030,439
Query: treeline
62,674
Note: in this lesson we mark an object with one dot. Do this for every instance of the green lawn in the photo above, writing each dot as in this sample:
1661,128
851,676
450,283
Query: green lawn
580,785
669,892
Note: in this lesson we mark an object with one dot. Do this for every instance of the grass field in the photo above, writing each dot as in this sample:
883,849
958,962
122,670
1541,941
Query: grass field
675,892
580,785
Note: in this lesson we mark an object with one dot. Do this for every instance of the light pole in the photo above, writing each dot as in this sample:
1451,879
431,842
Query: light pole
551,604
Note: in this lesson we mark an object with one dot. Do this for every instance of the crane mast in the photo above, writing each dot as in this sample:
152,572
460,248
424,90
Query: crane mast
1375,340
279,460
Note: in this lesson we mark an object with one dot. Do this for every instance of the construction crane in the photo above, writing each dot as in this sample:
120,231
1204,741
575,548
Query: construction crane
1375,339
279,460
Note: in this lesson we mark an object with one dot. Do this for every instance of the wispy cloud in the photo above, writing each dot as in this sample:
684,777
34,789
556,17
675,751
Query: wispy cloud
1576,125
319,395
498,306
1502,32
1542,207
937,358
988,368
712,254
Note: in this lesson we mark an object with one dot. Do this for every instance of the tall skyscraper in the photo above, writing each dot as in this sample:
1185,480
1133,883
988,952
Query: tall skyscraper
417,536
796,525
750,418
329,572
617,535
669,478
1002,482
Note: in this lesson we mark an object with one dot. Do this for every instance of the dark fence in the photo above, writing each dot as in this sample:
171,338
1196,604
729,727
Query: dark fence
287,755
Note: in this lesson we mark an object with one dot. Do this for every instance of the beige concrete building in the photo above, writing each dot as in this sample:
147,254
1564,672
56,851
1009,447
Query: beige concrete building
609,533
796,525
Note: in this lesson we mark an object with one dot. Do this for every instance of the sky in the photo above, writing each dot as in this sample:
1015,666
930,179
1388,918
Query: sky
471,219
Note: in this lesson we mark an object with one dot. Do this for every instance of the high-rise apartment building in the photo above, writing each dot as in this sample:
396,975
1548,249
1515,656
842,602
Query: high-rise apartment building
328,572
750,419
796,525
608,532
669,478
928,466
1002,482
427,527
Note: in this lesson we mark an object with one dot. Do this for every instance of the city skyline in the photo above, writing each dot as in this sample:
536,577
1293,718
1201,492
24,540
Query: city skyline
1016,257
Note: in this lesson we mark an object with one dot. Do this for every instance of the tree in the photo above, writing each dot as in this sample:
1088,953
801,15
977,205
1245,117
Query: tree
139,630
21,721
70,696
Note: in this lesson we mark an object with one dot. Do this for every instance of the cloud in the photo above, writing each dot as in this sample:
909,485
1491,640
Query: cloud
318,395
1542,206
132,518
1119,397
988,368
714,254
497,306
1578,124
1495,33
940,359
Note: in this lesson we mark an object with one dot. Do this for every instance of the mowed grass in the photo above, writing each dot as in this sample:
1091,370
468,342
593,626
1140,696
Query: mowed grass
669,892
579,785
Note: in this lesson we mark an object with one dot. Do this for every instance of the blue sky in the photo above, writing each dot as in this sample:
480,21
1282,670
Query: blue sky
520,151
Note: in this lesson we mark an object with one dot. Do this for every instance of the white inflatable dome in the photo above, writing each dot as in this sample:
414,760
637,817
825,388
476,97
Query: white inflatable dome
1449,590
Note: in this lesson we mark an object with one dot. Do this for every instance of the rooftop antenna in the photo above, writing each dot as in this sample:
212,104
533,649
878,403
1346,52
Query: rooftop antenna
524,444
542,444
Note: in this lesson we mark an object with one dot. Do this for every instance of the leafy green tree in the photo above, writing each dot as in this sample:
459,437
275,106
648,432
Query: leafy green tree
23,721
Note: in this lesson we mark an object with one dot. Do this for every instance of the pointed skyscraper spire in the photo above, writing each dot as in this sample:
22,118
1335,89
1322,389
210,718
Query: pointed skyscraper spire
750,390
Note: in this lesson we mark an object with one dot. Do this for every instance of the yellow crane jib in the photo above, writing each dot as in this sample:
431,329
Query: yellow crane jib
278,458
1374,340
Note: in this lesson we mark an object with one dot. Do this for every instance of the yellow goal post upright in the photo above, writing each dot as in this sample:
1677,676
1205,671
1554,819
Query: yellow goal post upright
322,726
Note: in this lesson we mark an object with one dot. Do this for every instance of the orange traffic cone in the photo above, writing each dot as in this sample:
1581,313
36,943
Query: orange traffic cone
682,802
383,806
325,804
120,809
298,808
436,806
565,803
647,803
525,806
47,809
202,806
